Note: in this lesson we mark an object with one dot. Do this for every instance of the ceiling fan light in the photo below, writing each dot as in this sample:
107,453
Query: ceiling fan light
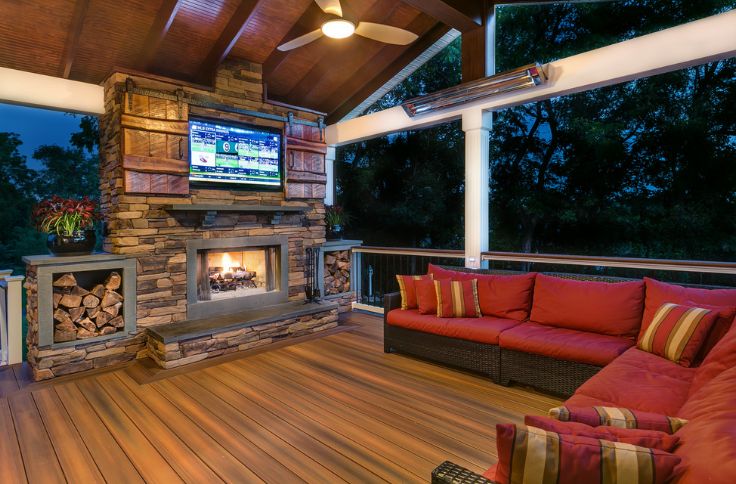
338,28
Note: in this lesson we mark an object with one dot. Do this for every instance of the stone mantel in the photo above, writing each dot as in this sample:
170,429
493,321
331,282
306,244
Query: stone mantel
210,211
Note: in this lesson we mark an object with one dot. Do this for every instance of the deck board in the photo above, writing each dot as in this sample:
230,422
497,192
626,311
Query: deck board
329,409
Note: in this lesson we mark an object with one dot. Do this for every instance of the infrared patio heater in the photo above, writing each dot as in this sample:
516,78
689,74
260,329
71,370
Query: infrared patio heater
520,78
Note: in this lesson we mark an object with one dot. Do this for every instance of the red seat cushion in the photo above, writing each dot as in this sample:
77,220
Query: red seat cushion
708,441
658,293
645,438
634,380
481,330
608,308
677,332
565,344
501,296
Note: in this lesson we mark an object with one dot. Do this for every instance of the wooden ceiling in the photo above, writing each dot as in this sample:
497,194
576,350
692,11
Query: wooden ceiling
187,40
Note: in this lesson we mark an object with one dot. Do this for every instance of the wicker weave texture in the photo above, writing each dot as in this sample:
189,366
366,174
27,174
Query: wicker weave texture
450,473
560,377
468,355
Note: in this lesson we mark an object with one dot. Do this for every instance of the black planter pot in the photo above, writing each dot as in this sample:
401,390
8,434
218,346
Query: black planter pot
334,232
81,243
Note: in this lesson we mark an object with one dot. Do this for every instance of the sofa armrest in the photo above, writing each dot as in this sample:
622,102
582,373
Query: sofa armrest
450,473
391,301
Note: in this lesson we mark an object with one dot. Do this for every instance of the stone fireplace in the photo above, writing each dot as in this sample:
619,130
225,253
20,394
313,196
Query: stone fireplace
232,274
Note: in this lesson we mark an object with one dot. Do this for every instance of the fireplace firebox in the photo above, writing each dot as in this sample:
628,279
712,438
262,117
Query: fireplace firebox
233,274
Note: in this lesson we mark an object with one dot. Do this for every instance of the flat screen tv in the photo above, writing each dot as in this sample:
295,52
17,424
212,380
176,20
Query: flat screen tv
236,154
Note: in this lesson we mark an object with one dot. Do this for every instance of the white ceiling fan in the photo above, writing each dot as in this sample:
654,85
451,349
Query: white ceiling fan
340,28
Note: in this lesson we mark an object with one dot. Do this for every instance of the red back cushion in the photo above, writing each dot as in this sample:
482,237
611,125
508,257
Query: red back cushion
644,438
658,293
457,299
530,454
677,332
426,296
499,296
721,358
408,290
614,309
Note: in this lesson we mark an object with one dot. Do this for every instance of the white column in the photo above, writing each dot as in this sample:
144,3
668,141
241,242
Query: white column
476,125
330,172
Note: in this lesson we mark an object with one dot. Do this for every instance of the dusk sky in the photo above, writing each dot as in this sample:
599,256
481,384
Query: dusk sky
37,127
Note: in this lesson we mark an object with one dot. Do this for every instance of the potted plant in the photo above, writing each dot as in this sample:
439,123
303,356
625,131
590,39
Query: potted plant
69,224
336,219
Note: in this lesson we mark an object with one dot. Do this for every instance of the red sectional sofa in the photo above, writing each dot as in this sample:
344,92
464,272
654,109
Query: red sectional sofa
579,338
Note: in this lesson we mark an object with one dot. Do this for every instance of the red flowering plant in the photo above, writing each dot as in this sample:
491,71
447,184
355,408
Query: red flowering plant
65,216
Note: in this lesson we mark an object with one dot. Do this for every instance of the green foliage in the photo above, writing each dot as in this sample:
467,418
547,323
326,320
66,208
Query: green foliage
70,171
643,168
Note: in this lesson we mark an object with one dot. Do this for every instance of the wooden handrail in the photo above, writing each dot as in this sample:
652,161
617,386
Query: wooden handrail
452,254
712,267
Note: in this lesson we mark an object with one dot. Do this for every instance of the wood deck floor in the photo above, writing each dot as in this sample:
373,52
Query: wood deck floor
327,410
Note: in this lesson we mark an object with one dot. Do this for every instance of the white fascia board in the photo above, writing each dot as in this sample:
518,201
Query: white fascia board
29,89
712,38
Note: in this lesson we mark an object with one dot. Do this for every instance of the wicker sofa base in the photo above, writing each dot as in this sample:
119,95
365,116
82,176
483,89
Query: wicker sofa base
451,473
559,377
468,355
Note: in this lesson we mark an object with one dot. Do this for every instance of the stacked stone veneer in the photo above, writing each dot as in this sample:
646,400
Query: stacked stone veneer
180,353
52,362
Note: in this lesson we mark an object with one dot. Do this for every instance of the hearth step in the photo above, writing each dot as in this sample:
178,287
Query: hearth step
178,344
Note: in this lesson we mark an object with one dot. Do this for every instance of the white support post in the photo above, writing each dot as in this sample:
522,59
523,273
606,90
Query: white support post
12,306
476,125
330,172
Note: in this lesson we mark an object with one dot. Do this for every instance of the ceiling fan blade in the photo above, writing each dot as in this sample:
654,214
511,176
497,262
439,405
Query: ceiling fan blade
300,41
385,33
330,6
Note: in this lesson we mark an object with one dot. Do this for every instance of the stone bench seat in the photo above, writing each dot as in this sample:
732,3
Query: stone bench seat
173,345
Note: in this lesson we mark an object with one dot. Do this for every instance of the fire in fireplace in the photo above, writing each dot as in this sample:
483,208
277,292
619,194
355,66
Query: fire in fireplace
236,272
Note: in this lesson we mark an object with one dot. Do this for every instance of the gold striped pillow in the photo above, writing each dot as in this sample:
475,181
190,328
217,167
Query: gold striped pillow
618,417
531,455
677,332
408,290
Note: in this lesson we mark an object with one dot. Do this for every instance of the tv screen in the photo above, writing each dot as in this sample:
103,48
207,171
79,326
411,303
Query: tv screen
237,154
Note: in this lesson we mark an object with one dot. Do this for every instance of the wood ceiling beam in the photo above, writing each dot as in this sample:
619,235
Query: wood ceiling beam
353,97
309,21
160,27
458,14
227,40
72,39
314,76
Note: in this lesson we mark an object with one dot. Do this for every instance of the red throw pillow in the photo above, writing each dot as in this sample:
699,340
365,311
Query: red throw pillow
457,299
652,439
659,293
501,296
530,454
720,359
408,290
718,331
426,296
618,417
677,332
611,308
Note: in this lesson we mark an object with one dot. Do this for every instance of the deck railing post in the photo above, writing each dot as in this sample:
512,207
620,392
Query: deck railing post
357,275
330,175
12,319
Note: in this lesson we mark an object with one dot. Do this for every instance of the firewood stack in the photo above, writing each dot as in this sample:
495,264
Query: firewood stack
337,272
80,313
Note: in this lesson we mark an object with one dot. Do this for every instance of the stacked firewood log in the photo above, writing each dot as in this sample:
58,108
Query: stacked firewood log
81,313
337,272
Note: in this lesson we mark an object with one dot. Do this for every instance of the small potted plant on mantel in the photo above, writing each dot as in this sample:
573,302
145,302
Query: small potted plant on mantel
336,219
69,223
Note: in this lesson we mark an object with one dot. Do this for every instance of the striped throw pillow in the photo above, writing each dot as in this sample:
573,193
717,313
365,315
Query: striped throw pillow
618,417
457,299
677,332
531,455
408,291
